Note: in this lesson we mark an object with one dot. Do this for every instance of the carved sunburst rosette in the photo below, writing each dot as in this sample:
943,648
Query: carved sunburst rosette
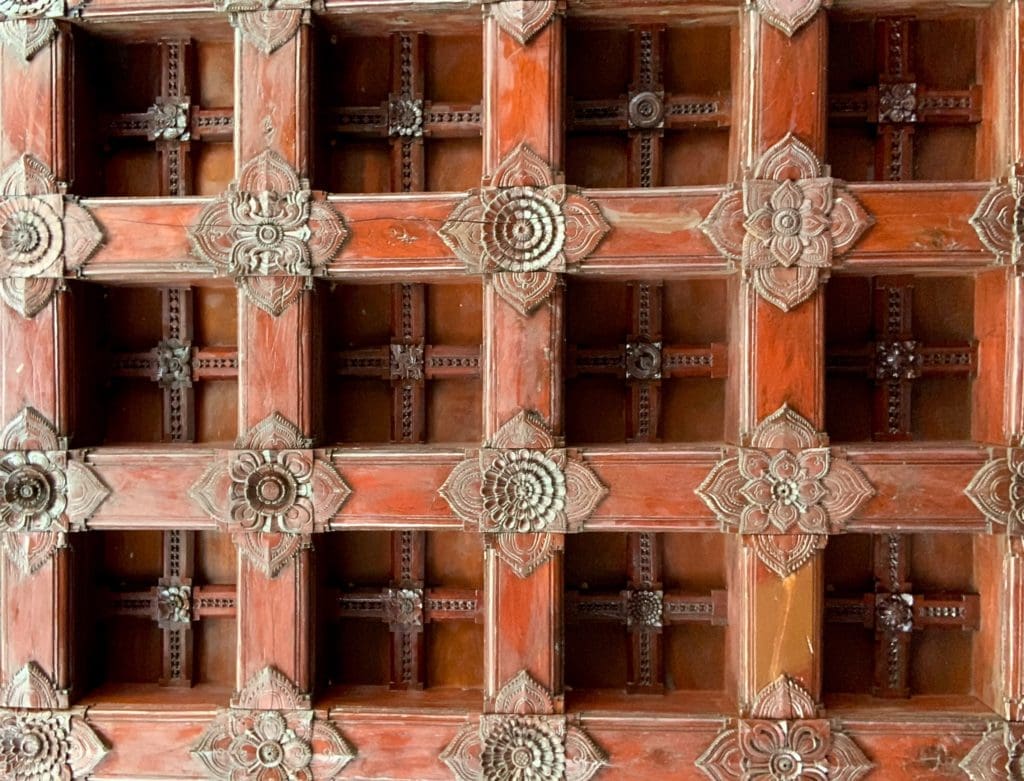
266,24
521,226
270,733
785,481
998,491
45,492
788,15
523,741
788,224
272,493
522,19
782,738
521,487
44,235
269,233
999,220
40,738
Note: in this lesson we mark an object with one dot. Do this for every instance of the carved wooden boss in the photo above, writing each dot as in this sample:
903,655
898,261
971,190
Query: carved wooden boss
774,492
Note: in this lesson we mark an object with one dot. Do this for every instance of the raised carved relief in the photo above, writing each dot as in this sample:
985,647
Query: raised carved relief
644,607
998,491
173,605
262,742
787,225
30,687
782,739
520,226
405,117
998,755
272,495
44,493
643,360
403,607
999,220
266,24
44,236
26,26
168,121
522,19
897,102
268,233
406,361
788,15
785,481
523,741
173,362
521,483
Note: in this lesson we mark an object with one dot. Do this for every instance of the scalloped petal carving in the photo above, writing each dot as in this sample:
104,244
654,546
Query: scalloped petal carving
31,687
993,221
585,226
274,295
85,749
522,167
29,552
82,235
271,552
523,695
847,489
990,758
784,698
86,492
789,158
785,554
786,428
849,221
786,288
720,491
724,225
462,755
27,296
331,752
584,491
269,172
328,229
268,30
270,689
583,757
27,37
526,429
28,175
523,553
274,432
29,430
212,489
722,761
462,491
992,492
330,492
525,291
463,232
788,15
522,19
846,760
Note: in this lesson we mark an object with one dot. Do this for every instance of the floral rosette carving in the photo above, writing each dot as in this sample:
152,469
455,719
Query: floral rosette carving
43,235
522,484
787,225
999,220
525,743
782,740
997,490
268,744
44,494
268,233
272,493
787,481
47,745
520,226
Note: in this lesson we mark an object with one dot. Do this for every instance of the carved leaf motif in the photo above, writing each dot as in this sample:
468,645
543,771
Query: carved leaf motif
523,553
524,290
522,167
274,295
786,288
788,15
269,172
28,175
721,761
328,230
784,698
268,30
720,491
330,492
846,760
270,689
271,552
583,757
849,221
274,432
85,749
584,492
991,492
27,296
993,221
526,429
86,492
522,19
847,489
27,37
523,695
585,226
331,752
724,225
31,687
990,758
786,428
785,554
789,158
463,232
462,755
212,488
462,491
82,235
29,430
30,552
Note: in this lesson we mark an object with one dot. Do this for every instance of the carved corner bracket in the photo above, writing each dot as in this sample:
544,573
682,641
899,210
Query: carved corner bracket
269,233
523,740
782,736
270,732
44,235
520,488
521,228
523,19
40,737
46,492
998,491
788,15
272,493
999,220
27,26
266,24
788,224
999,754
787,489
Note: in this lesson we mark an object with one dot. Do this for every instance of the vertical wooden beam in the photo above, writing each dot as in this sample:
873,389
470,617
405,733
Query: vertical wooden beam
408,568
522,356
409,397
275,375
780,632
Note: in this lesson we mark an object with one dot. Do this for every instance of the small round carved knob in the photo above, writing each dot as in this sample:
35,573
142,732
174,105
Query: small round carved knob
646,110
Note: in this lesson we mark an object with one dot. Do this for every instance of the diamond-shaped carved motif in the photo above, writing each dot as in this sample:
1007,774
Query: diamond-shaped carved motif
787,225
787,481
